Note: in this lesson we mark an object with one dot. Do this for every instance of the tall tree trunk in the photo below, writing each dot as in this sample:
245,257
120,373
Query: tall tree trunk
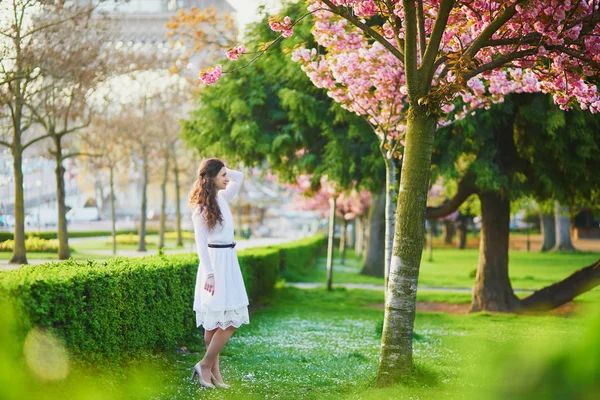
395,361
430,240
343,241
390,191
144,206
493,290
375,251
63,234
548,231
563,228
177,197
19,252
360,235
163,204
330,242
449,231
462,233
351,234
113,220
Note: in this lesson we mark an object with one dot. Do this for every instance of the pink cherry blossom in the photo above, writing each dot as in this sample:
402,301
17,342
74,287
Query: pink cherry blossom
212,75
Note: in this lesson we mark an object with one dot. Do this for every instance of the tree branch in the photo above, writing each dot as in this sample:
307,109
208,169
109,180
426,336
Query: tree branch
466,188
421,28
564,291
80,155
498,62
46,136
366,28
489,31
435,39
5,144
410,48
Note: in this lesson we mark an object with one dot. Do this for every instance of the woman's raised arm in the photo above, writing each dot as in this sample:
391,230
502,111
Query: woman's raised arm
235,183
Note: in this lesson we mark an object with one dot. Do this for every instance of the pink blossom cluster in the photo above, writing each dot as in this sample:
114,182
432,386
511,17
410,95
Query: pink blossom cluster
349,204
363,77
235,53
286,26
355,69
212,75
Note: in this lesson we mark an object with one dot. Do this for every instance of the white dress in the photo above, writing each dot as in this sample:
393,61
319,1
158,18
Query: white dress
229,304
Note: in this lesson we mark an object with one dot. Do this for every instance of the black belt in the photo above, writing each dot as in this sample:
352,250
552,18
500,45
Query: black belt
222,246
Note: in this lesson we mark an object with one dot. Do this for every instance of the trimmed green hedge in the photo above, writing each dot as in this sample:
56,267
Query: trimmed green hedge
299,256
114,308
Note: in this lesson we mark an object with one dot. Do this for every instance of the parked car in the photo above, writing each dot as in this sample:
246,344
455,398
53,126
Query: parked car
42,217
83,214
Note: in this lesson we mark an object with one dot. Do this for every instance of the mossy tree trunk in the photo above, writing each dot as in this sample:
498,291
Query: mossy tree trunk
396,343
330,243
493,290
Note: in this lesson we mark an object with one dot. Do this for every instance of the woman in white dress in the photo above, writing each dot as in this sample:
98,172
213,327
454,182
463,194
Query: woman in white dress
220,299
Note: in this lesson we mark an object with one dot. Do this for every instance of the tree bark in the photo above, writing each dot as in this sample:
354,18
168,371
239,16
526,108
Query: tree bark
449,231
360,235
144,205
461,227
563,228
63,234
330,243
493,290
395,361
351,235
19,252
375,251
163,204
113,222
430,240
343,241
564,291
177,197
390,191
548,231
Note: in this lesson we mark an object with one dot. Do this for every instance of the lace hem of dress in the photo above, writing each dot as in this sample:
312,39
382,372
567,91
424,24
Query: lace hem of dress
223,319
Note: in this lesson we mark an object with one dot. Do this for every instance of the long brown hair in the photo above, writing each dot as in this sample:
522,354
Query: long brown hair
204,192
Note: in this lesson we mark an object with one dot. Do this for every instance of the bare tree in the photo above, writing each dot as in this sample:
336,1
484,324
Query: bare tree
22,68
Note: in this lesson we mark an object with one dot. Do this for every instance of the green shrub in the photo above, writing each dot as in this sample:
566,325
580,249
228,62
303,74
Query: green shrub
32,243
299,256
114,308
83,234
184,235
129,238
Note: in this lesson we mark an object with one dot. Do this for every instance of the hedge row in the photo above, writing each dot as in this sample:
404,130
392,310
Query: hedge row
82,234
32,243
112,309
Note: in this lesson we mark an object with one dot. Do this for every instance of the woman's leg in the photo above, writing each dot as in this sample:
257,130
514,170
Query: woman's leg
208,335
217,341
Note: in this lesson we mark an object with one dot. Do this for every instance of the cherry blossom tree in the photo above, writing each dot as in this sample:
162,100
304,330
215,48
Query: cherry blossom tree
466,53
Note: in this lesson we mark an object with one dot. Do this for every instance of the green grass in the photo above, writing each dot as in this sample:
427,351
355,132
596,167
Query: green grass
310,344
455,268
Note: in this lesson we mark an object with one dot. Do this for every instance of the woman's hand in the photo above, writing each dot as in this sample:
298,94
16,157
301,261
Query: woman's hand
209,284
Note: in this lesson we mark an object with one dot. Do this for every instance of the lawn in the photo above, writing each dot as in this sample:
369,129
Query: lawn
310,344
456,268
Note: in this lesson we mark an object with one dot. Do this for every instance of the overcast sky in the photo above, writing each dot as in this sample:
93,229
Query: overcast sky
246,9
